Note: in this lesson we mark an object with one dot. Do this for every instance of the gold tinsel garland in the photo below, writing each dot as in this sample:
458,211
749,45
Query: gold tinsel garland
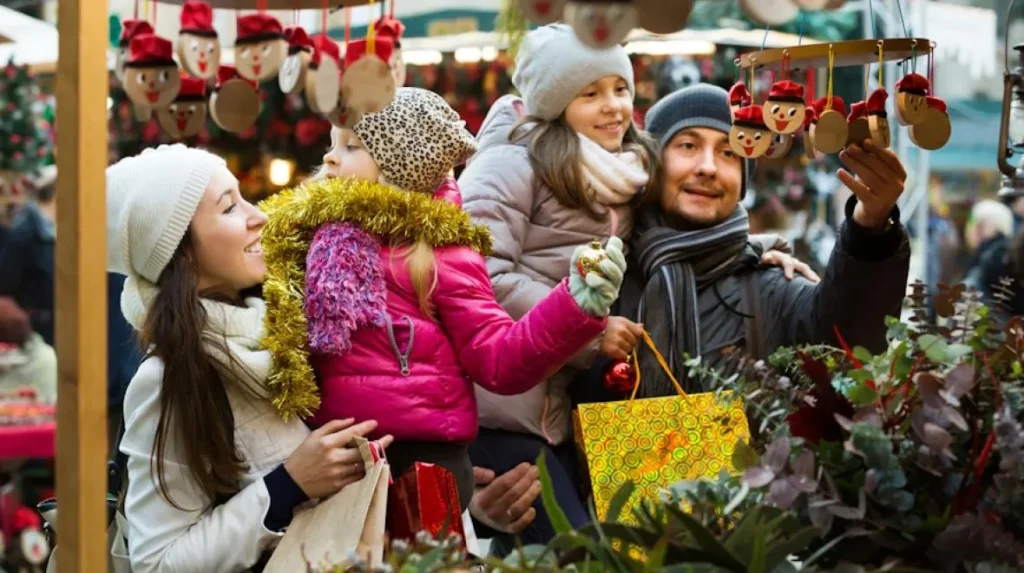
391,214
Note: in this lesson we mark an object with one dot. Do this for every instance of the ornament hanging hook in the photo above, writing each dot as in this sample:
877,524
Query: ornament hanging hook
831,68
881,61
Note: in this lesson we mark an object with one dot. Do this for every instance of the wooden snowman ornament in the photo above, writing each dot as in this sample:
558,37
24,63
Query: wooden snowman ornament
878,119
392,29
292,76
663,17
829,128
739,96
542,12
323,76
934,131
367,85
912,99
260,48
186,116
198,44
749,137
858,122
129,29
601,24
235,102
151,74
784,109
808,139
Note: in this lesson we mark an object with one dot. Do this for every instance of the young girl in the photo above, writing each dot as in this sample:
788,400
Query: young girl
389,288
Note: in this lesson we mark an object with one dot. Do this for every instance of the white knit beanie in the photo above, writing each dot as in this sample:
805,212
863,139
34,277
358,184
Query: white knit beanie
151,199
553,66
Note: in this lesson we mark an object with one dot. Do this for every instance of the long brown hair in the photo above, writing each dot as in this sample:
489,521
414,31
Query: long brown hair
196,421
554,151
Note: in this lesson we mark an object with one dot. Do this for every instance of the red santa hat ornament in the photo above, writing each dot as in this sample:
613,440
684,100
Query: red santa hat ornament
749,137
129,29
829,128
739,96
878,119
368,85
292,76
911,99
260,48
198,46
323,76
151,74
784,109
934,131
392,29
186,115
235,103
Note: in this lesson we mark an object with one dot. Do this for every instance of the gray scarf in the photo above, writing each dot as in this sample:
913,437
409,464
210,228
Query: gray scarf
676,265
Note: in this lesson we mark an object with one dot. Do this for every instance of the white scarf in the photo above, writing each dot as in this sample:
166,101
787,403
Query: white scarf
612,178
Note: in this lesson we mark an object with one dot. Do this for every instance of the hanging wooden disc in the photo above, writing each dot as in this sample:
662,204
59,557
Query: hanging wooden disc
819,5
323,83
780,146
343,116
831,132
810,151
368,86
235,106
292,76
182,119
878,127
663,17
601,24
542,11
932,133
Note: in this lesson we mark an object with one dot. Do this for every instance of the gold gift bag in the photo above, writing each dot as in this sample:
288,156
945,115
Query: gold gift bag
655,442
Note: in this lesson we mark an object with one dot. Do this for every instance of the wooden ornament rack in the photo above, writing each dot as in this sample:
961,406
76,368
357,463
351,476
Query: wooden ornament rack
276,4
847,53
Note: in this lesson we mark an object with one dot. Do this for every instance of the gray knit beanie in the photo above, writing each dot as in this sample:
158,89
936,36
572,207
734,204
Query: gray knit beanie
553,66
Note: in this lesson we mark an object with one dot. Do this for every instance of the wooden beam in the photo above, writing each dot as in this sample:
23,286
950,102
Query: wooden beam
81,286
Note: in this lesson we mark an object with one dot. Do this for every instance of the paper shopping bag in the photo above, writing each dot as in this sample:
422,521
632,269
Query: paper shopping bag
425,498
655,442
350,521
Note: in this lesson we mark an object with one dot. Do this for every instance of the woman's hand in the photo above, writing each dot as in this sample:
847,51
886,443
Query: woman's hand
325,462
877,181
596,292
505,503
620,337
790,264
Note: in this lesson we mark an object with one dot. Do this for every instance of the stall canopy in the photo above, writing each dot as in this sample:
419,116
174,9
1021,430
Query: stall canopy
29,41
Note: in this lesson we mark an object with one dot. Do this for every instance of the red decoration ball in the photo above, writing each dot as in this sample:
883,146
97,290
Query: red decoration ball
15,139
620,377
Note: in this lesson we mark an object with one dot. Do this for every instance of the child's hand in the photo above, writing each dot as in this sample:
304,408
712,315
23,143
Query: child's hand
596,292
620,337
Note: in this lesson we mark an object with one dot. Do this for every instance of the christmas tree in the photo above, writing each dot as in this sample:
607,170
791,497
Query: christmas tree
26,145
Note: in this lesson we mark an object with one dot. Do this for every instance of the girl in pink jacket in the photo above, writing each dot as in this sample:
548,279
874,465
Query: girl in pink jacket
379,301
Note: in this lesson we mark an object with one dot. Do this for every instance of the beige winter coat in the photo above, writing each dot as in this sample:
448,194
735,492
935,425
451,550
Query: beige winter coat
534,238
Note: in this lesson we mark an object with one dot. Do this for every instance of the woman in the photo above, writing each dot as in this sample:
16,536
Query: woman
214,473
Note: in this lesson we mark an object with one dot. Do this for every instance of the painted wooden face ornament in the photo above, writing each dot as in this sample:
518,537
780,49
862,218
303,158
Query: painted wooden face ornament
739,96
186,115
663,17
151,74
392,29
235,103
912,99
129,29
934,131
367,85
780,146
749,136
292,76
808,138
784,109
260,48
858,121
542,11
603,23
198,45
829,128
878,119
323,77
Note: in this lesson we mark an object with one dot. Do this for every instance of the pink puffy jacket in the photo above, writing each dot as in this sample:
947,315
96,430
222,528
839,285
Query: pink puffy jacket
412,374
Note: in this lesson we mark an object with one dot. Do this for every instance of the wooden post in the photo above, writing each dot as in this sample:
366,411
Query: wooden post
81,286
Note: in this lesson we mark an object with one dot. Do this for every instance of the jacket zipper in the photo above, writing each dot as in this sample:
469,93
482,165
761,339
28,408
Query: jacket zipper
402,356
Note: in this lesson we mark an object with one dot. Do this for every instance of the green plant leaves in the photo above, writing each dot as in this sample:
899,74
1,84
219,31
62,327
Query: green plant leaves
555,514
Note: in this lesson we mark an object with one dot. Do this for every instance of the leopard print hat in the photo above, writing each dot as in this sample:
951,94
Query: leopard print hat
416,140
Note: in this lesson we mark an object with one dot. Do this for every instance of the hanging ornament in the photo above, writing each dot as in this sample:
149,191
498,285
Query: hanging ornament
391,28
186,115
663,17
129,29
858,121
542,11
912,99
749,136
198,45
934,132
620,377
808,138
590,259
367,85
739,96
260,48
151,74
878,119
784,109
323,77
235,102
829,128
770,12
779,146
603,23
343,116
292,76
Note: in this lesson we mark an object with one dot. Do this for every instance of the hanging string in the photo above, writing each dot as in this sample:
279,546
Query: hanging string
913,56
800,40
753,64
867,81
371,47
765,39
786,65
738,70
881,61
831,66
261,6
899,5
156,7
392,12
323,21
348,27
136,9
871,14
931,67
146,10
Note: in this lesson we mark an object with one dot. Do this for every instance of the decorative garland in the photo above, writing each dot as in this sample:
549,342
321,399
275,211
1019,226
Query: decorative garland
389,213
